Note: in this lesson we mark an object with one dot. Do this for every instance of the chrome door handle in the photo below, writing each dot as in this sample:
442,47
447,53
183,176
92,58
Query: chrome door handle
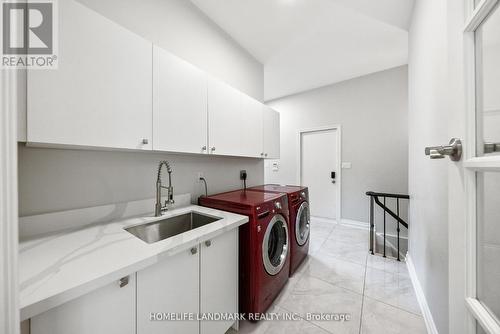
453,150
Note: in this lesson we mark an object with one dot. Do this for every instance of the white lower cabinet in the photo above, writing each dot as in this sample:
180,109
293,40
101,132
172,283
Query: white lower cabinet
199,281
219,281
168,287
108,310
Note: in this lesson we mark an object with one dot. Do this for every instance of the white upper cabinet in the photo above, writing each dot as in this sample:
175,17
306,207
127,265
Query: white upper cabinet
101,94
179,105
234,121
251,135
114,89
224,118
271,133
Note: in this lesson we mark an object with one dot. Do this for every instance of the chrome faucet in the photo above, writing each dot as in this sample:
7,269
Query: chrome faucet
159,209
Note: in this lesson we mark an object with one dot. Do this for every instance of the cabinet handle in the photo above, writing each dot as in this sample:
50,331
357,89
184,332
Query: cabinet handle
212,148
208,243
194,250
123,281
265,154
145,141
203,148
262,154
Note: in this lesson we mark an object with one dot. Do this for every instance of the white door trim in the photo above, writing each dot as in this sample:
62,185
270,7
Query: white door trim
9,291
338,128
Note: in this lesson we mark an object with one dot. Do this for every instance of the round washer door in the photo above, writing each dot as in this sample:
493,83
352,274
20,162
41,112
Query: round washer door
275,245
302,224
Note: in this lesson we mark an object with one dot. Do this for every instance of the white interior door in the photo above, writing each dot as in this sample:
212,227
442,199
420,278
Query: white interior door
481,170
318,160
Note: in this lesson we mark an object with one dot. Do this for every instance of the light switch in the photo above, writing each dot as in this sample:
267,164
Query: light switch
346,165
276,166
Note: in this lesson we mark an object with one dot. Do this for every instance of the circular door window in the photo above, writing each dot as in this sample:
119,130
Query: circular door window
275,245
302,224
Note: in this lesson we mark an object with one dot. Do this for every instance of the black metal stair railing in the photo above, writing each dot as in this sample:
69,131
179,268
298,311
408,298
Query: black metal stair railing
374,199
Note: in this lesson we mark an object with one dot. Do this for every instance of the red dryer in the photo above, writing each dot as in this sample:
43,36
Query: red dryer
264,244
299,223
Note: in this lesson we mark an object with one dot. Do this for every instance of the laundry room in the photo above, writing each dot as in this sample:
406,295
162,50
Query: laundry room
265,166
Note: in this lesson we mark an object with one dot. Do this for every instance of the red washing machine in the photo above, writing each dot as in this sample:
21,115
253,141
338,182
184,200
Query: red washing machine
264,244
300,219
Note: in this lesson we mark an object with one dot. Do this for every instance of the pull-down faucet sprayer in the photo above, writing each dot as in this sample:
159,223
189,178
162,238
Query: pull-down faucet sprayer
159,209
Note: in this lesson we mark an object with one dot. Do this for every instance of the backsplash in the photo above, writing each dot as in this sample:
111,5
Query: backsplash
52,180
37,225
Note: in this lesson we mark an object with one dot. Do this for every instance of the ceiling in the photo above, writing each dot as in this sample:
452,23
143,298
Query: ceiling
305,44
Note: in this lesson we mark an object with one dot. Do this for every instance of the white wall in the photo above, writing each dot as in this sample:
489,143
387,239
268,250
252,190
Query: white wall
372,111
428,179
53,180
181,28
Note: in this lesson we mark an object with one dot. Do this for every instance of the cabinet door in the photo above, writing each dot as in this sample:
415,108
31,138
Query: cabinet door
252,130
101,93
219,280
179,105
224,119
271,133
170,286
108,310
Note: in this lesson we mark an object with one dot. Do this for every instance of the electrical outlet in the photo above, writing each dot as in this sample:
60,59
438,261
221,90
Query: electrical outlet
243,175
200,175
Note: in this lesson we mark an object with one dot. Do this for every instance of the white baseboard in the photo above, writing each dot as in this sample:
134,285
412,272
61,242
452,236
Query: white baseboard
355,223
324,220
422,301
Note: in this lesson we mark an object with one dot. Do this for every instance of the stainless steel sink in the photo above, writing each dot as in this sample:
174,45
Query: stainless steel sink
171,226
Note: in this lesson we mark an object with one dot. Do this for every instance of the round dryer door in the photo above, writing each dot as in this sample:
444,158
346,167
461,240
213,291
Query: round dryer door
302,224
275,245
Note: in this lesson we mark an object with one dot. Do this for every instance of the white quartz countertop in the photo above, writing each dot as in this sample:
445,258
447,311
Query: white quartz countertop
60,267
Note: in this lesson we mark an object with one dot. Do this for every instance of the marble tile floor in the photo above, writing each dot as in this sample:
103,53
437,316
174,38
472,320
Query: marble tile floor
340,277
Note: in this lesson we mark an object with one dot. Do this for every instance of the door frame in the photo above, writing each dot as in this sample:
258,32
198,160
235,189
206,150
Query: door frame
338,130
9,287
472,165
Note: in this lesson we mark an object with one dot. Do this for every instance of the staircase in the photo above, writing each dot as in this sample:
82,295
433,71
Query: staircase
383,242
